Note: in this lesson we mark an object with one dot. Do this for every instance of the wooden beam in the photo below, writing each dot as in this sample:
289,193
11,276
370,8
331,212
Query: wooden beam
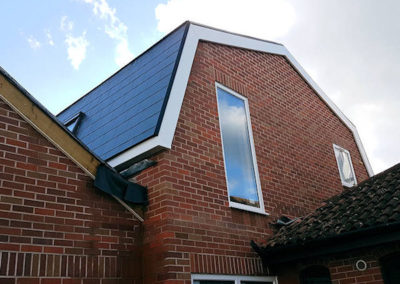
47,126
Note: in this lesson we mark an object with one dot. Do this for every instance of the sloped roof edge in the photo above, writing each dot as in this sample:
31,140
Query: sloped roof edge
199,32
21,101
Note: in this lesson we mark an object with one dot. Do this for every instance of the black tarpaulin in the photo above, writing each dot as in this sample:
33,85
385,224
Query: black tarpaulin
113,183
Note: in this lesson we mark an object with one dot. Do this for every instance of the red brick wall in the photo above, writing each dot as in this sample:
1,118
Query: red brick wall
55,227
189,226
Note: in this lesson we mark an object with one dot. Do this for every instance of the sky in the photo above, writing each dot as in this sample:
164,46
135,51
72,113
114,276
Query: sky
60,50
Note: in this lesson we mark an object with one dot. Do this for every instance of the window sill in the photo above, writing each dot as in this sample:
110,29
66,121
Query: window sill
243,207
348,185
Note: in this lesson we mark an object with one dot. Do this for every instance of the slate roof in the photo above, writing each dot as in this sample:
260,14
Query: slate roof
128,107
371,204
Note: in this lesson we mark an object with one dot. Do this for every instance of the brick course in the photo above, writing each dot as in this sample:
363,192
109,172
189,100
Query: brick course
54,225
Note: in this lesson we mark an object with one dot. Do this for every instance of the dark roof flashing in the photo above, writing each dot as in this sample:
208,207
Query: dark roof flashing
113,183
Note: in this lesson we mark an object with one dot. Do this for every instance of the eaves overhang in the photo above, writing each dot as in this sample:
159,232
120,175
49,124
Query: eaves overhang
341,243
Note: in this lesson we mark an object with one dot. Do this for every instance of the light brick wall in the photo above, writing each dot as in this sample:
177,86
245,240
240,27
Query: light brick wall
55,227
189,227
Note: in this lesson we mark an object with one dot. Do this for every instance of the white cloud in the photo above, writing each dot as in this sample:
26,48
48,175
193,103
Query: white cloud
66,25
76,46
357,66
261,18
49,38
33,42
114,28
123,54
366,116
76,49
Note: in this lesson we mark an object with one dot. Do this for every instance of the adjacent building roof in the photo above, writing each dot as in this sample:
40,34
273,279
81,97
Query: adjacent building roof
134,113
371,206
128,107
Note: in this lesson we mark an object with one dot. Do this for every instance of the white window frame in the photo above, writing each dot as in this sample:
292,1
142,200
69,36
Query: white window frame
261,209
235,278
338,148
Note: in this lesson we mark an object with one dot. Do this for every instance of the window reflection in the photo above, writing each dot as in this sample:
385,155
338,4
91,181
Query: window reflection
239,165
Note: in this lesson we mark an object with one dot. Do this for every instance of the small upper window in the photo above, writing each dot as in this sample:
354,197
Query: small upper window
73,123
238,148
345,166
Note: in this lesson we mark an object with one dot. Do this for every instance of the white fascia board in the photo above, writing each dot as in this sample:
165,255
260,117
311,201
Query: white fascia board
172,111
333,107
174,104
135,151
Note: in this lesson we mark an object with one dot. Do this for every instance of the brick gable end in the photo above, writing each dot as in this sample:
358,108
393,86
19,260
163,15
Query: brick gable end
189,227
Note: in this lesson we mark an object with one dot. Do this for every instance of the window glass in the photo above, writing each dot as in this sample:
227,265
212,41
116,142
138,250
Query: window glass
345,166
229,282
237,148
232,279
256,282
213,282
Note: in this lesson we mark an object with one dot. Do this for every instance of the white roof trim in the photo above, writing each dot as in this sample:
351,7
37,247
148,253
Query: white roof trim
171,115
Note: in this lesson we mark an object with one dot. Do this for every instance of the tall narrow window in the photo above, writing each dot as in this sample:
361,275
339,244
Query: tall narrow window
345,166
238,149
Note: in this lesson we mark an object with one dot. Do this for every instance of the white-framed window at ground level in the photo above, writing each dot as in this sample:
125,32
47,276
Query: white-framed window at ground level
232,279
241,172
345,166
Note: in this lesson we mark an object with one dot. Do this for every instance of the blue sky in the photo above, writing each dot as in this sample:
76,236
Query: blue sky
59,50
35,45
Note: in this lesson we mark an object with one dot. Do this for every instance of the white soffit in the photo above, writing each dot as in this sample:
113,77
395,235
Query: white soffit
195,34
